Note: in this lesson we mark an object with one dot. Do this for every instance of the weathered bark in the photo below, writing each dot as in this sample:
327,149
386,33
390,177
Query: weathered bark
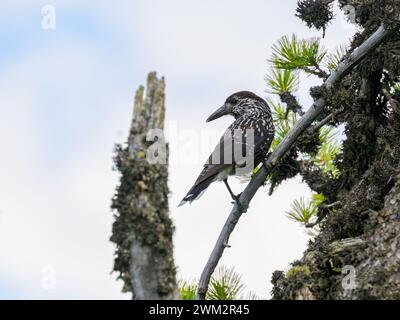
142,229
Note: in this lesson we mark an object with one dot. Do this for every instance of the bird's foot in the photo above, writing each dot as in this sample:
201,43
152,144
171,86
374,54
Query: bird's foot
236,199
265,159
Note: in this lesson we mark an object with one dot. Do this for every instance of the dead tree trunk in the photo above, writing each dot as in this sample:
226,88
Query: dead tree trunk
142,229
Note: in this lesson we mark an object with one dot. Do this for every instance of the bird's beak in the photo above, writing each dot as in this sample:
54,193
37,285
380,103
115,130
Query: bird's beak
223,111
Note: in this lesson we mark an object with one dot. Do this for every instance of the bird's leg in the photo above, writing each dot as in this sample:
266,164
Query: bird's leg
234,197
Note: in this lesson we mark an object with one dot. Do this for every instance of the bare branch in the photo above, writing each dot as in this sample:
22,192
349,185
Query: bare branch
259,178
329,206
326,120
316,72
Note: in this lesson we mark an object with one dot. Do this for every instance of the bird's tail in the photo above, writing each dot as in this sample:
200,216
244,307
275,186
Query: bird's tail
196,191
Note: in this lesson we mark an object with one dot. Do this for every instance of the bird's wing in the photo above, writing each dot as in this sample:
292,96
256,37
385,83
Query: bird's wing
216,163
263,134
236,138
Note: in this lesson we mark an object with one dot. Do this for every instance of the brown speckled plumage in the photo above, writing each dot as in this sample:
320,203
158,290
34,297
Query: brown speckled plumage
250,112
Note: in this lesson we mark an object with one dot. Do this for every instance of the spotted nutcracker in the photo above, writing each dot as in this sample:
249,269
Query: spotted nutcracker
252,115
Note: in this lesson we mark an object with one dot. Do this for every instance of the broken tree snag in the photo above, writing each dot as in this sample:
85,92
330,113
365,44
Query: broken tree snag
343,69
143,229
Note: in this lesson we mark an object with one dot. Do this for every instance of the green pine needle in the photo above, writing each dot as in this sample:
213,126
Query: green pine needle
283,122
318,199
301,211
282,80
334,59
225,284
327,152
294,54
187,290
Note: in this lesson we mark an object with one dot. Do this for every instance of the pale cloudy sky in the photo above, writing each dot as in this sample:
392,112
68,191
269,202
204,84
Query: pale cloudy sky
66,97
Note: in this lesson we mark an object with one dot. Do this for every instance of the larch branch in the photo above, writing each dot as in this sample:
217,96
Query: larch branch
343,69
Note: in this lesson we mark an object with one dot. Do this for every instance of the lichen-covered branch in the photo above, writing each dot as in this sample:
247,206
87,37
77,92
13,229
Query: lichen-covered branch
355,254
343,69
143,229
363,235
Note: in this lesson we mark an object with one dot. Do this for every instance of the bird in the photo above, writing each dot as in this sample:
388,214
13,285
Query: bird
252,115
